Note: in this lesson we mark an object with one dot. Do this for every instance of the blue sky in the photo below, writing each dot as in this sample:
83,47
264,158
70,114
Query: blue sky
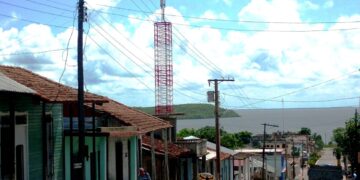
270,62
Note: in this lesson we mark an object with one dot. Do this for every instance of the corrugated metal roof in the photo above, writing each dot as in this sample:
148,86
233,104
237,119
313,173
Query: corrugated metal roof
9,85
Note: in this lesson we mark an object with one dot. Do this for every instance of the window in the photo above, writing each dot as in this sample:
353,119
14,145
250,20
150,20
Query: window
7,149
21,119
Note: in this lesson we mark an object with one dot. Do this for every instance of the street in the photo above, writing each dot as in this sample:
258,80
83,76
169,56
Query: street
327,157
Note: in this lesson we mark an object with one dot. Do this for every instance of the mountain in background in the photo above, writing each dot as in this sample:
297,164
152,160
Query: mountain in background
194,111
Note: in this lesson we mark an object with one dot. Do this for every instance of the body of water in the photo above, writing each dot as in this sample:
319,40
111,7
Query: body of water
319,120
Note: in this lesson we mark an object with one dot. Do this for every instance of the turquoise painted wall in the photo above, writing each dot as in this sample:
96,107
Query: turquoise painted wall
26,103
100,146
133,157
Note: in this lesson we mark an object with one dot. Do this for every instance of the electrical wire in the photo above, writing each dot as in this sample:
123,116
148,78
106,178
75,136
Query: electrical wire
47,5
36,52
123,67
32,21
35,10
233,20
60,3
140,59
238,29
135,62
204,60
302,89
295,101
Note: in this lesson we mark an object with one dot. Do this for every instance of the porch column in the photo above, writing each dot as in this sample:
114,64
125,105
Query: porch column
44,143
153,160
165,132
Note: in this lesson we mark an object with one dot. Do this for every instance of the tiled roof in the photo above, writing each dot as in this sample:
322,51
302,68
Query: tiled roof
129,116
46,88
173,149
223,155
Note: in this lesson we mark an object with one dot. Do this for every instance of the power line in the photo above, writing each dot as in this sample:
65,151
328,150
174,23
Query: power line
305,88
138,64
233,20
140,59
59,3
51,6
238,29
36,52
35,10
123,67
32,21
294,101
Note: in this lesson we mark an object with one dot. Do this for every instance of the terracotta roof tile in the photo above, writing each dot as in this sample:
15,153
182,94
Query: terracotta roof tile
223,155
173,149
46,88
129,116
123,134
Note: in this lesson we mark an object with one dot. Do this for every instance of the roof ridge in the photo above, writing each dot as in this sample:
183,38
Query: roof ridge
142,112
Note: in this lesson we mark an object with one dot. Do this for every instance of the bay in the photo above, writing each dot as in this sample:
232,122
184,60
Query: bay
320,120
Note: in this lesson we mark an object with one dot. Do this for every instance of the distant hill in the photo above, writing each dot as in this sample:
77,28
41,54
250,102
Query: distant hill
194,111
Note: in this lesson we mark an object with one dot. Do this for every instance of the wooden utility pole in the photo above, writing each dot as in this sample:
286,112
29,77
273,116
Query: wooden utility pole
275,170
217,126
81,122
263,152
153,160
293,158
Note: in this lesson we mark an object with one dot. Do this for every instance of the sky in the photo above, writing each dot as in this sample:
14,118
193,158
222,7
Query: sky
281,53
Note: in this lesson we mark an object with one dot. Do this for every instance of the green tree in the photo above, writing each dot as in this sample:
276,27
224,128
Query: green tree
186,132
319,143
244,137
305,131
209,133
352,144
230,141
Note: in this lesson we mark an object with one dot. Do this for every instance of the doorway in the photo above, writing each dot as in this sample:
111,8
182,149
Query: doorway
21,147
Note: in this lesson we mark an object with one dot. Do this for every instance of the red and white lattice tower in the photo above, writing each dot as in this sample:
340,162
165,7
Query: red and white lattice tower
163,65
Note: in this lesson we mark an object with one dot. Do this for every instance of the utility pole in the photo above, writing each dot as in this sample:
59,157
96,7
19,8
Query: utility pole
275,170
81,123
263,152
357,144
293,157
216,111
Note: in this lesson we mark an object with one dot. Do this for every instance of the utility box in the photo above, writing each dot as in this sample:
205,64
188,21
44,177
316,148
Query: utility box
211,96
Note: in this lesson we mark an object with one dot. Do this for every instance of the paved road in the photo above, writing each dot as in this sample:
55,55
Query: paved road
327,157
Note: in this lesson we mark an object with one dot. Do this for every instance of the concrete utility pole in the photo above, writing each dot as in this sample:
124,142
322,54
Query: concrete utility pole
263,152
81,90
216,111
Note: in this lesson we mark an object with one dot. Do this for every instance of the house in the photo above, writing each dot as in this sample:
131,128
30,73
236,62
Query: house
127,147
250,165
39,133
206,162
191,165
178,159
226,163
46,113
28,144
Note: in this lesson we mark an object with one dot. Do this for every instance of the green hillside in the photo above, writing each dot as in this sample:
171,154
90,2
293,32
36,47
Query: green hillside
195,111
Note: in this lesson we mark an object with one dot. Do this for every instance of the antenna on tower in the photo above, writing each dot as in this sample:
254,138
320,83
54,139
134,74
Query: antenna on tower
162,5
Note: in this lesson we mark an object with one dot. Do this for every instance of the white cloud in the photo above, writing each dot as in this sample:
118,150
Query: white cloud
228,2
266,64
328,4
311,6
